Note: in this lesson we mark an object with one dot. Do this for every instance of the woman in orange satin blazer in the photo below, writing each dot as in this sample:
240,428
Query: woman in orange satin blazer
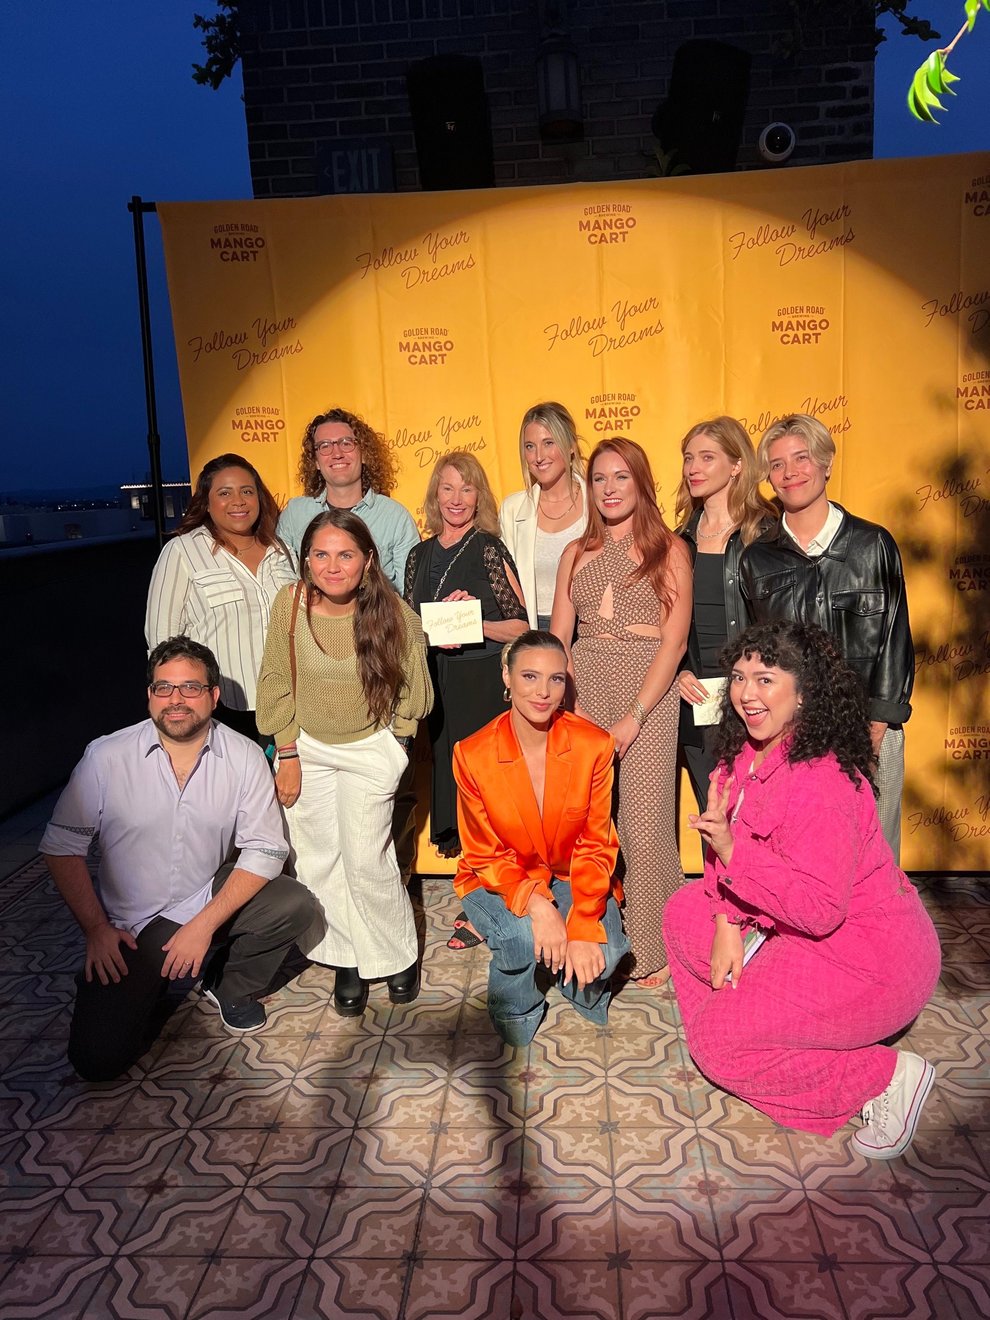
534,796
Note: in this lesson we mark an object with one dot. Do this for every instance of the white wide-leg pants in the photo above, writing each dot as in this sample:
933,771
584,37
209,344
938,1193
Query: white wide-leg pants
341,830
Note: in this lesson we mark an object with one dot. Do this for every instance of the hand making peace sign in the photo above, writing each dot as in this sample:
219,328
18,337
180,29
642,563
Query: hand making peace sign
713,824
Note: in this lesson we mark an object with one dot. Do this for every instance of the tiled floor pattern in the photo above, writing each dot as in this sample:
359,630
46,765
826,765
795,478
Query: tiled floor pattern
407,1166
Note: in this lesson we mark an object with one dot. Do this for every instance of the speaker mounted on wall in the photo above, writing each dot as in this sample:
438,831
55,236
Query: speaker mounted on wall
702,118
451,123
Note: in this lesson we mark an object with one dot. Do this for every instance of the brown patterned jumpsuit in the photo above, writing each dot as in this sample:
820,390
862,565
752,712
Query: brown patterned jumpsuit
610,664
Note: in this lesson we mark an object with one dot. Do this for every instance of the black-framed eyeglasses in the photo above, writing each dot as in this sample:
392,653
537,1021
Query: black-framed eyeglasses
346,444
190,689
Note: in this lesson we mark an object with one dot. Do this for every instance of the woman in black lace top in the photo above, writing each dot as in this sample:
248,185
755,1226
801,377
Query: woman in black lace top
463,560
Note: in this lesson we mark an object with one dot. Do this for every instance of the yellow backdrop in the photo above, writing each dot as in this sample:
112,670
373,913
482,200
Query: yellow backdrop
859,293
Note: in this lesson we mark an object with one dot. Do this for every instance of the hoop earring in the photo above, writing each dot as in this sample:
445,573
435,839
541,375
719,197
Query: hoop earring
506,695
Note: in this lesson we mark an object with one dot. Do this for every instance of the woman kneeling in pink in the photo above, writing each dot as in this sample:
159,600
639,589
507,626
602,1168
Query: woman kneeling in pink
795,852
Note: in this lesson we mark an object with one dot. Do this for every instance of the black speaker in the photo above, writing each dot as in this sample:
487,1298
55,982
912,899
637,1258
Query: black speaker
702,117
450,120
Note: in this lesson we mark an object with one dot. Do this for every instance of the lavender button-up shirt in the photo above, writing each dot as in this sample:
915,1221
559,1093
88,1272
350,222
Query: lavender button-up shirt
161,845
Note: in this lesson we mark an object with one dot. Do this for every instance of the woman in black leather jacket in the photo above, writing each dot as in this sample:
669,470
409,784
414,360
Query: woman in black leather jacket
720,510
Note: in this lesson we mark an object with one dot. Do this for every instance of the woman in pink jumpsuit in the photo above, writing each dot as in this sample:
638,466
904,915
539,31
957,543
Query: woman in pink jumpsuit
796,850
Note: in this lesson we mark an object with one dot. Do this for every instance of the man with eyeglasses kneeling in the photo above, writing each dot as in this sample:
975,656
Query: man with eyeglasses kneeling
189,884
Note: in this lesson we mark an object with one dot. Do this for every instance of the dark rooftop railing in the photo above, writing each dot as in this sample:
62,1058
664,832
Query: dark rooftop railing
73,654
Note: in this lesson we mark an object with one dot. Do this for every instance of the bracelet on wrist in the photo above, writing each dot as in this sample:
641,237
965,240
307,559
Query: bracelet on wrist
637,711
288,756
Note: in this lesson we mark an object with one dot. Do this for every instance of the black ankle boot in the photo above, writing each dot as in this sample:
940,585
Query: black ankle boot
350,992
403,987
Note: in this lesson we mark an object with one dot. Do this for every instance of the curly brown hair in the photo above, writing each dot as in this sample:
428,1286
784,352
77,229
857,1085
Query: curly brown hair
380,640
197,512
378,467
834,714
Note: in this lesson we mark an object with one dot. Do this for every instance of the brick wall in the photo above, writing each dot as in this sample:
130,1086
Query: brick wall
320,70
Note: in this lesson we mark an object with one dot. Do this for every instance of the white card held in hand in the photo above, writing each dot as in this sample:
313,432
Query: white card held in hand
709,711
452,622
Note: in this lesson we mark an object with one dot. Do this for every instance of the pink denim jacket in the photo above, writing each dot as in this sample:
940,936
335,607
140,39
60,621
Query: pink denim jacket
808,851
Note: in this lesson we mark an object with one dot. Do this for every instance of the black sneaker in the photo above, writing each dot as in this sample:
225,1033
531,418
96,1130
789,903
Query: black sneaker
239,1014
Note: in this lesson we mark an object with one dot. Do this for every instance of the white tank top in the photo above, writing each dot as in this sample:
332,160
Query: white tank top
549,547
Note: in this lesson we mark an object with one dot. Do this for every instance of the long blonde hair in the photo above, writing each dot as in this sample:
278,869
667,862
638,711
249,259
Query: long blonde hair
747,506
559,422
471,471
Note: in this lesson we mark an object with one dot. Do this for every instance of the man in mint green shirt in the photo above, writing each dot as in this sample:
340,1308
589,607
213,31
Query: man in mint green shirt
346,465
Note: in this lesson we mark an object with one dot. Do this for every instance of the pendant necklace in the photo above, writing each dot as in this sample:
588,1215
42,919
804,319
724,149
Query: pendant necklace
710,536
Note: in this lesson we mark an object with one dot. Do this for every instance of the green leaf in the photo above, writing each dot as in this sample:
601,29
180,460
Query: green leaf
933,71
937,76
918,110
972,9
922,98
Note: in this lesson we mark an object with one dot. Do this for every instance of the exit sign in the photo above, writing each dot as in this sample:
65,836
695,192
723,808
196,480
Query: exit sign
355,165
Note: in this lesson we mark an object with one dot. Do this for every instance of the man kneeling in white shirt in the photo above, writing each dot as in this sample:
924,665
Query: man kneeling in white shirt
192,850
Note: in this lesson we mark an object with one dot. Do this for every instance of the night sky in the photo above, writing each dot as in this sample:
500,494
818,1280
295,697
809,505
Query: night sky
98,103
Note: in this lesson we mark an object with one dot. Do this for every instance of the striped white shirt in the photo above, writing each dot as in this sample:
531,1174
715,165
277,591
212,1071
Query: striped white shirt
205,592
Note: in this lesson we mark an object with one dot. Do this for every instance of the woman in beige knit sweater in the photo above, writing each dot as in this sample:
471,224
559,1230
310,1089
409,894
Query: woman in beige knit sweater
343,683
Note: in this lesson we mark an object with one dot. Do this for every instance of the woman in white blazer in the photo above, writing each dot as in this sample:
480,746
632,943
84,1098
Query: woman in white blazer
538,523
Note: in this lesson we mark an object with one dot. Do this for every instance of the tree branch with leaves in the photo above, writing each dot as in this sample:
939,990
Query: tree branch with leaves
222,43
933,79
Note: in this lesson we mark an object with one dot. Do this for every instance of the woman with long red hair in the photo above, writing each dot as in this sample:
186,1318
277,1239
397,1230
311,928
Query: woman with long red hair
626,585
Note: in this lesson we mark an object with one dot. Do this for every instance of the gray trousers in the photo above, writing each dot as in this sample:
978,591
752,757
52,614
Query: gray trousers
890,782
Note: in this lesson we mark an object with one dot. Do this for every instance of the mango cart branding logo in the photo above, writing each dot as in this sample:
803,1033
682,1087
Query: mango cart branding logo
263,341
973,304
821,230
427,443
237,242
977,197
425,346
974,391
437,255
624,324
258,422
800,325
970,572
607,223
611,414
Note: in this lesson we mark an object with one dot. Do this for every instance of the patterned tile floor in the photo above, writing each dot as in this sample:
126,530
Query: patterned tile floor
407,1166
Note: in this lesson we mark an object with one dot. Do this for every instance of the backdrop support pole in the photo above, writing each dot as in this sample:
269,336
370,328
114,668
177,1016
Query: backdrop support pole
137,209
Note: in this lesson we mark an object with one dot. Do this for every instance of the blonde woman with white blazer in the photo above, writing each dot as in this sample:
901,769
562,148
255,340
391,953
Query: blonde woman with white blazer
538,523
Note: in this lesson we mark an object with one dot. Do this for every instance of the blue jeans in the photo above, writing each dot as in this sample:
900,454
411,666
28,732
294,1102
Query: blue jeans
516,997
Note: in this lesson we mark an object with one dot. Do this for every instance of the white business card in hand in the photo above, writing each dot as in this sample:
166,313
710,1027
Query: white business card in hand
709,711
452,622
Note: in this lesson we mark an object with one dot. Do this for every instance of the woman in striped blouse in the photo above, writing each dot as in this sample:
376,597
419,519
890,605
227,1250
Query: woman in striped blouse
216,579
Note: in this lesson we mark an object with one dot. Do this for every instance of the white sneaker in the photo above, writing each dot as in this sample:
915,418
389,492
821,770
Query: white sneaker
892,1117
